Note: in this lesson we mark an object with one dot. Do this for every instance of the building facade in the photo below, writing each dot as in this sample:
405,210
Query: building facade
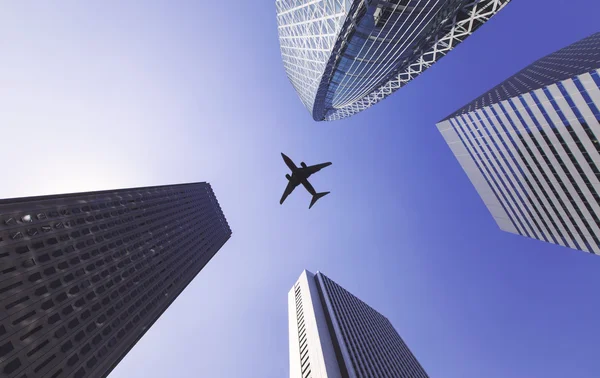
83,276
333,334
343,56
530,147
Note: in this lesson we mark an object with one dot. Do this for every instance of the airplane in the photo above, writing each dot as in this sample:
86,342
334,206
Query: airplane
299,176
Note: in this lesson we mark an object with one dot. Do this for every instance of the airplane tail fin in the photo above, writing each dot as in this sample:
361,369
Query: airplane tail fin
316,197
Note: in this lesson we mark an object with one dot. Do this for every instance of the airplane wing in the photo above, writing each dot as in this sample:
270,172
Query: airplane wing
288,190
313,169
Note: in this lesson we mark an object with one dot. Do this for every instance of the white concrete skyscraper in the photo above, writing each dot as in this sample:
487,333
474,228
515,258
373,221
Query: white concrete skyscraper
530,147
333,334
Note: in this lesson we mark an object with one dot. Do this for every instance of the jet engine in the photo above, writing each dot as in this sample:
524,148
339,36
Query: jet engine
303,164
287,176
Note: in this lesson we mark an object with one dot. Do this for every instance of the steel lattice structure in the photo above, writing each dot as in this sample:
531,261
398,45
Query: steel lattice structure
308,31
344,56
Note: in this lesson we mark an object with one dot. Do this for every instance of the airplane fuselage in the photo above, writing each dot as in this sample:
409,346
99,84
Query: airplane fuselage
290,164
299,176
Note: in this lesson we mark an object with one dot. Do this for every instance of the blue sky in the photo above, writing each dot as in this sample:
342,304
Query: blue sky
117,94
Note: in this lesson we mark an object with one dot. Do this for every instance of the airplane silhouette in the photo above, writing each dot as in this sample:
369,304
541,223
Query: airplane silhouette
299,176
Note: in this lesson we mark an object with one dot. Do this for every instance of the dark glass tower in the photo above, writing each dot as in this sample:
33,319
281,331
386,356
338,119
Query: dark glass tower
333,334
83,276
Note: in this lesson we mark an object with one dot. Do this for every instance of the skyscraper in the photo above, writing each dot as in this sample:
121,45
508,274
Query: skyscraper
342,56
333,334
83,276
530,147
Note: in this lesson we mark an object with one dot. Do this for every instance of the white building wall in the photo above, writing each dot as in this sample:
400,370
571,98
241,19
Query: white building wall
479,182
537,138
321,354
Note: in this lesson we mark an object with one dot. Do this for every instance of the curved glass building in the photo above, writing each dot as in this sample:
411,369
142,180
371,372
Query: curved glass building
342,56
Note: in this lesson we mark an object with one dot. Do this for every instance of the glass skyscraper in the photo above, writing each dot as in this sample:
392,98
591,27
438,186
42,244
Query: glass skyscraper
83,276
342,56
530,146
333,334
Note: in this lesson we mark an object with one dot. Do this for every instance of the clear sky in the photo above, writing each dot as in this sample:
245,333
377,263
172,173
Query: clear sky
115,94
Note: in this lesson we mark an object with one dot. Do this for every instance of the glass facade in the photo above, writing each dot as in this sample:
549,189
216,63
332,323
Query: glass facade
332,324
530,146
575,59
308,31
84,276
343,56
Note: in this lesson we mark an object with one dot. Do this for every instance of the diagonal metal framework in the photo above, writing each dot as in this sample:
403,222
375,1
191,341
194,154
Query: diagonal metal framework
464,23
343,56
308,31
